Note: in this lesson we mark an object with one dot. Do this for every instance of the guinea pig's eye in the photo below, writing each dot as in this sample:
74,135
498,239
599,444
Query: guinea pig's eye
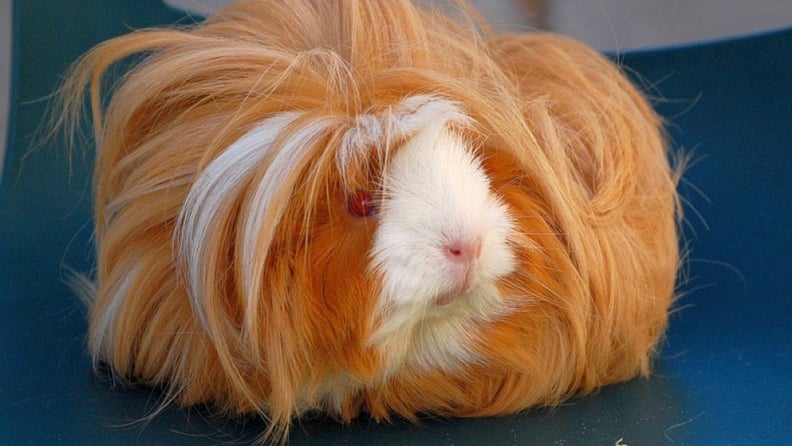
361,204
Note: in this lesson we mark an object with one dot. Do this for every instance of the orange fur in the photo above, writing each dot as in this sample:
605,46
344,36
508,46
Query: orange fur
571,147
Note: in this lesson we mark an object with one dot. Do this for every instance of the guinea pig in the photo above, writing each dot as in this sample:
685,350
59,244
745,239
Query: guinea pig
364,206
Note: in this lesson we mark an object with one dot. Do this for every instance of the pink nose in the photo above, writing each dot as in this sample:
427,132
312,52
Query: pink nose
464,255
463,251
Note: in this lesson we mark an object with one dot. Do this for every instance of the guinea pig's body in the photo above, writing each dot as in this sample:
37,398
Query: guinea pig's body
362,206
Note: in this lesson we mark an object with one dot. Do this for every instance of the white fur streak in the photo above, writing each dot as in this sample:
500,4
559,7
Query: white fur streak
436,191
376,130
102,336
281,175
210,199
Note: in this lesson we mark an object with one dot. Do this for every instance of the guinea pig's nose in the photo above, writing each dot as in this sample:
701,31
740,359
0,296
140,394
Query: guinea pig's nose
463,254
464,250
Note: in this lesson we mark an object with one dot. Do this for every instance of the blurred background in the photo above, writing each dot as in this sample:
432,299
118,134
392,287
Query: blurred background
609,25
615,24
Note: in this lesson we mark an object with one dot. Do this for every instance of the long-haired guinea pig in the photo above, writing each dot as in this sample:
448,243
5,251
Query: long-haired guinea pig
363,206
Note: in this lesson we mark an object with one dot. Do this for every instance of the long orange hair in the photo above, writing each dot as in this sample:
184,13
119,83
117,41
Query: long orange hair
283,325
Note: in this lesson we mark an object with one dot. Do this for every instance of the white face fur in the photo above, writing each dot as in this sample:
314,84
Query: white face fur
440,245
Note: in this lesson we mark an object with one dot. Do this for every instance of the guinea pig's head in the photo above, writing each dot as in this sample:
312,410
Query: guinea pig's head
354,247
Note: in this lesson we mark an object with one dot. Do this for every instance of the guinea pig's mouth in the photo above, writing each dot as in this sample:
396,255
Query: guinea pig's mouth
467,284
446,299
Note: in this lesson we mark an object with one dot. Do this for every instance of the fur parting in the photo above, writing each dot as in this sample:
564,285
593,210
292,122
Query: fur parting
230,271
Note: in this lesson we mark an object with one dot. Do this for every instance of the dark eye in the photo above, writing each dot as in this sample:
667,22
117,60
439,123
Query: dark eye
361,204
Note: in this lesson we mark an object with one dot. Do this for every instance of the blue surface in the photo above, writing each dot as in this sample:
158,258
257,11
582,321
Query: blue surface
730,347
725,375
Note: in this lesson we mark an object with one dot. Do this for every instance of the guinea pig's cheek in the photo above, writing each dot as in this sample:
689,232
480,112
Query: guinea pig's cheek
498,258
